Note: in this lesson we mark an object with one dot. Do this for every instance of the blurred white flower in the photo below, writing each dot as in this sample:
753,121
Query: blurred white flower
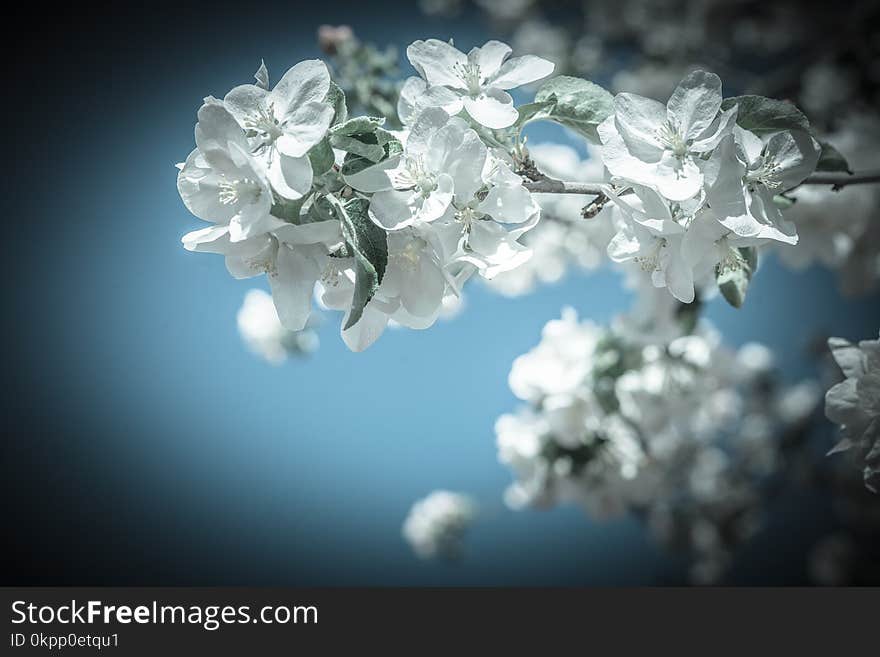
854,403
262,332
436,525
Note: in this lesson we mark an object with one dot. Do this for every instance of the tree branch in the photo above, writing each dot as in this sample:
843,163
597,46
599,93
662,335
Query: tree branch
841,180
837,180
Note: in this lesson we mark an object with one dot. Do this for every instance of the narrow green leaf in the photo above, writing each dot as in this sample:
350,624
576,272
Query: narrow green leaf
369,245
575,103
764,116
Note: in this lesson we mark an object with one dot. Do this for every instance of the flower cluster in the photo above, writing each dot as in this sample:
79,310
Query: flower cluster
384,226
671,426
262,332
704,188
854,403
436,524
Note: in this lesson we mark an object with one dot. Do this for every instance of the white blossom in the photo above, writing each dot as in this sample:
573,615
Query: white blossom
744,174
477,81
854,403
436,525
662,147
283,124
262,331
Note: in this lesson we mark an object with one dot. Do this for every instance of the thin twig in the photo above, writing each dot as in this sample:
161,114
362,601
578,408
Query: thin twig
837,180
841,180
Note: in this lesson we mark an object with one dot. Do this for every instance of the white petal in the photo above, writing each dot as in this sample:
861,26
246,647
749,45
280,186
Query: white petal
245,101
521,70
367,330
490,57
434,206
493,109
720,128
679,279
509,204
416,96
318,232
291,177
392,210
375,178
307,82
695,103
428,123
727,197
198,188
213,239
306,127
638,119
678,179
292,284
435,61
217,128
796,153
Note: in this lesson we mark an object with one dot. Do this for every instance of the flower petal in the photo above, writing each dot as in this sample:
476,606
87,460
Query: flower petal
678,179
367,330
493,109
375,178
489,57
392,210
306,127
296,271
245,101
435,61
694,104
306,82
521,70
291,177
416,96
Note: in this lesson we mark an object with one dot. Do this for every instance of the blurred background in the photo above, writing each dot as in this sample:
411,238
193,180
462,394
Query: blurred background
144,444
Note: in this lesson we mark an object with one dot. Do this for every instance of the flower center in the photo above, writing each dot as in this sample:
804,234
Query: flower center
415,176
650,261
731,259
670,136
244,191
263,126
768,173
408,258
469,74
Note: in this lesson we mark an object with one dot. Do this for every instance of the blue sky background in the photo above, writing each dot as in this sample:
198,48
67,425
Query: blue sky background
155,431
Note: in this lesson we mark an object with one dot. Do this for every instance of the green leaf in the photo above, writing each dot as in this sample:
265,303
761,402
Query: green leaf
371,151
321,210
359,125
370,247
321,156
783,202
733,278
336,99
289,211
356,163
764,116
533,112
575,103
831,159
